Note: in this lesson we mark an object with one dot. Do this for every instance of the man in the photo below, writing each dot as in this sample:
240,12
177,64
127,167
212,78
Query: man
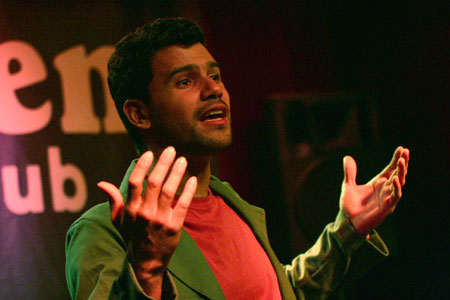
182,232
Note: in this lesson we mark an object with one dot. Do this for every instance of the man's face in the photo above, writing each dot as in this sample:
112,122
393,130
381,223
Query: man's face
189,106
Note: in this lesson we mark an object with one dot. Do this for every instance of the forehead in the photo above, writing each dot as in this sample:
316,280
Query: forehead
169,58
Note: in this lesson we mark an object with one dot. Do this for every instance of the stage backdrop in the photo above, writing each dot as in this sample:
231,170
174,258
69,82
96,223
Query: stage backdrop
59,133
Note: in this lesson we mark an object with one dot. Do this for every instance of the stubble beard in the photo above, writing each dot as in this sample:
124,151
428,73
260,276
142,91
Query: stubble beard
188,140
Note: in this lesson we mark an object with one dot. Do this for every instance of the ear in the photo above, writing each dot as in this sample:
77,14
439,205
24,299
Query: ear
137,113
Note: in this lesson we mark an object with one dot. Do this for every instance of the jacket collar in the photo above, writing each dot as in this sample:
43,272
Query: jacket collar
190,267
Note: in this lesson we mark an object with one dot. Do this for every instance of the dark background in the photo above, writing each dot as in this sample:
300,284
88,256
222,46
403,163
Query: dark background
396,51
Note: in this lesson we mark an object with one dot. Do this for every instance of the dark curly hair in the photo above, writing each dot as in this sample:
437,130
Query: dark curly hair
129,68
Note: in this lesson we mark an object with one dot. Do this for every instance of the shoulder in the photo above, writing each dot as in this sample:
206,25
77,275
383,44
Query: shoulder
99,213
94,225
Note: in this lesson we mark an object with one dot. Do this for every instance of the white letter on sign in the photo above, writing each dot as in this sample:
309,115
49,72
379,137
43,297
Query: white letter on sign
33,202
59,173
14,117
75,67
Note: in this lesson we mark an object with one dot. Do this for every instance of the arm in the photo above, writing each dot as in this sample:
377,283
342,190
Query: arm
149,225
97,266
317,272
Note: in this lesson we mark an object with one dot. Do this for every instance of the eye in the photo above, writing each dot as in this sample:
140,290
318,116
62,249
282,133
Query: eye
184,82
215,77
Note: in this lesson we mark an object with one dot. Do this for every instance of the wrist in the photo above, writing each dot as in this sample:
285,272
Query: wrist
148,272
347,236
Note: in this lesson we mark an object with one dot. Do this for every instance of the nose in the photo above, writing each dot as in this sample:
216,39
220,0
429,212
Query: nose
211,89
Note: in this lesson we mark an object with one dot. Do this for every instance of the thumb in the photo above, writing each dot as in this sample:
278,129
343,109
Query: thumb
115,200
350,170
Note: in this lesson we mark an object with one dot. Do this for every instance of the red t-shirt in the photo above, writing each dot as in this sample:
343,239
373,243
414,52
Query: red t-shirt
237,259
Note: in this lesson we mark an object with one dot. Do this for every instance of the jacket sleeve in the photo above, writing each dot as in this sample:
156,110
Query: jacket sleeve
97,266
317,272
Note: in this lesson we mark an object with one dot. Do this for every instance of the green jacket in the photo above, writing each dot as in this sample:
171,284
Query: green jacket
97,266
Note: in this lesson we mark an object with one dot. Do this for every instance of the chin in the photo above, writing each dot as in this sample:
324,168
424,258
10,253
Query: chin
207,146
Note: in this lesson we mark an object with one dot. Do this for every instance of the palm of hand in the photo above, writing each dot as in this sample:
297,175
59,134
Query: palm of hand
368,205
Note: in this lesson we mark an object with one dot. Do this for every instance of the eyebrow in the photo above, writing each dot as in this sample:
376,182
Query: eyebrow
211,64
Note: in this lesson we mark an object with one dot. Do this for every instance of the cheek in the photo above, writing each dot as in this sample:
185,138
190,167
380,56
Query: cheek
179,113
177,106
226,97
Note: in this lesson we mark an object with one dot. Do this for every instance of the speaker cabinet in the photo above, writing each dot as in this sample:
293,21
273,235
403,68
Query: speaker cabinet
312,133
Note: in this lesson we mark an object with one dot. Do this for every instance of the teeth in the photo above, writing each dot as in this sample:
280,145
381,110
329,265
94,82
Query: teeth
214,112
211,120
214,115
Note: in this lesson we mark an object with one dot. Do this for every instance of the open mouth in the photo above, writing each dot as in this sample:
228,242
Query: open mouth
214,114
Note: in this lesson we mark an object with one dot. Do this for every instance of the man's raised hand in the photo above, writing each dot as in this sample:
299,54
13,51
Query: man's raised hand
149,222
368,205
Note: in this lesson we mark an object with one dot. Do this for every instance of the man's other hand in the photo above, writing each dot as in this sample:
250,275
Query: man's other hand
367,206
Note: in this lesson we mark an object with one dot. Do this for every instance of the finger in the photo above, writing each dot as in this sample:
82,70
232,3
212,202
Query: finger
136,181
397,189
391,177
393,163
115,199
401,167
171,185
397,154
393,193
350,170
382,188
405,155
380,182
182,206
156,179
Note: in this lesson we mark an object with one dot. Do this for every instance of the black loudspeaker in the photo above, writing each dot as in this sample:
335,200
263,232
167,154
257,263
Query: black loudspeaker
312,133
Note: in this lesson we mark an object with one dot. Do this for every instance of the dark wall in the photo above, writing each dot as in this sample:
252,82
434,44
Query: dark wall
398,50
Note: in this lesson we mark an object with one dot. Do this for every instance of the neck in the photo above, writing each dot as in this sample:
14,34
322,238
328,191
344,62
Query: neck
198,166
